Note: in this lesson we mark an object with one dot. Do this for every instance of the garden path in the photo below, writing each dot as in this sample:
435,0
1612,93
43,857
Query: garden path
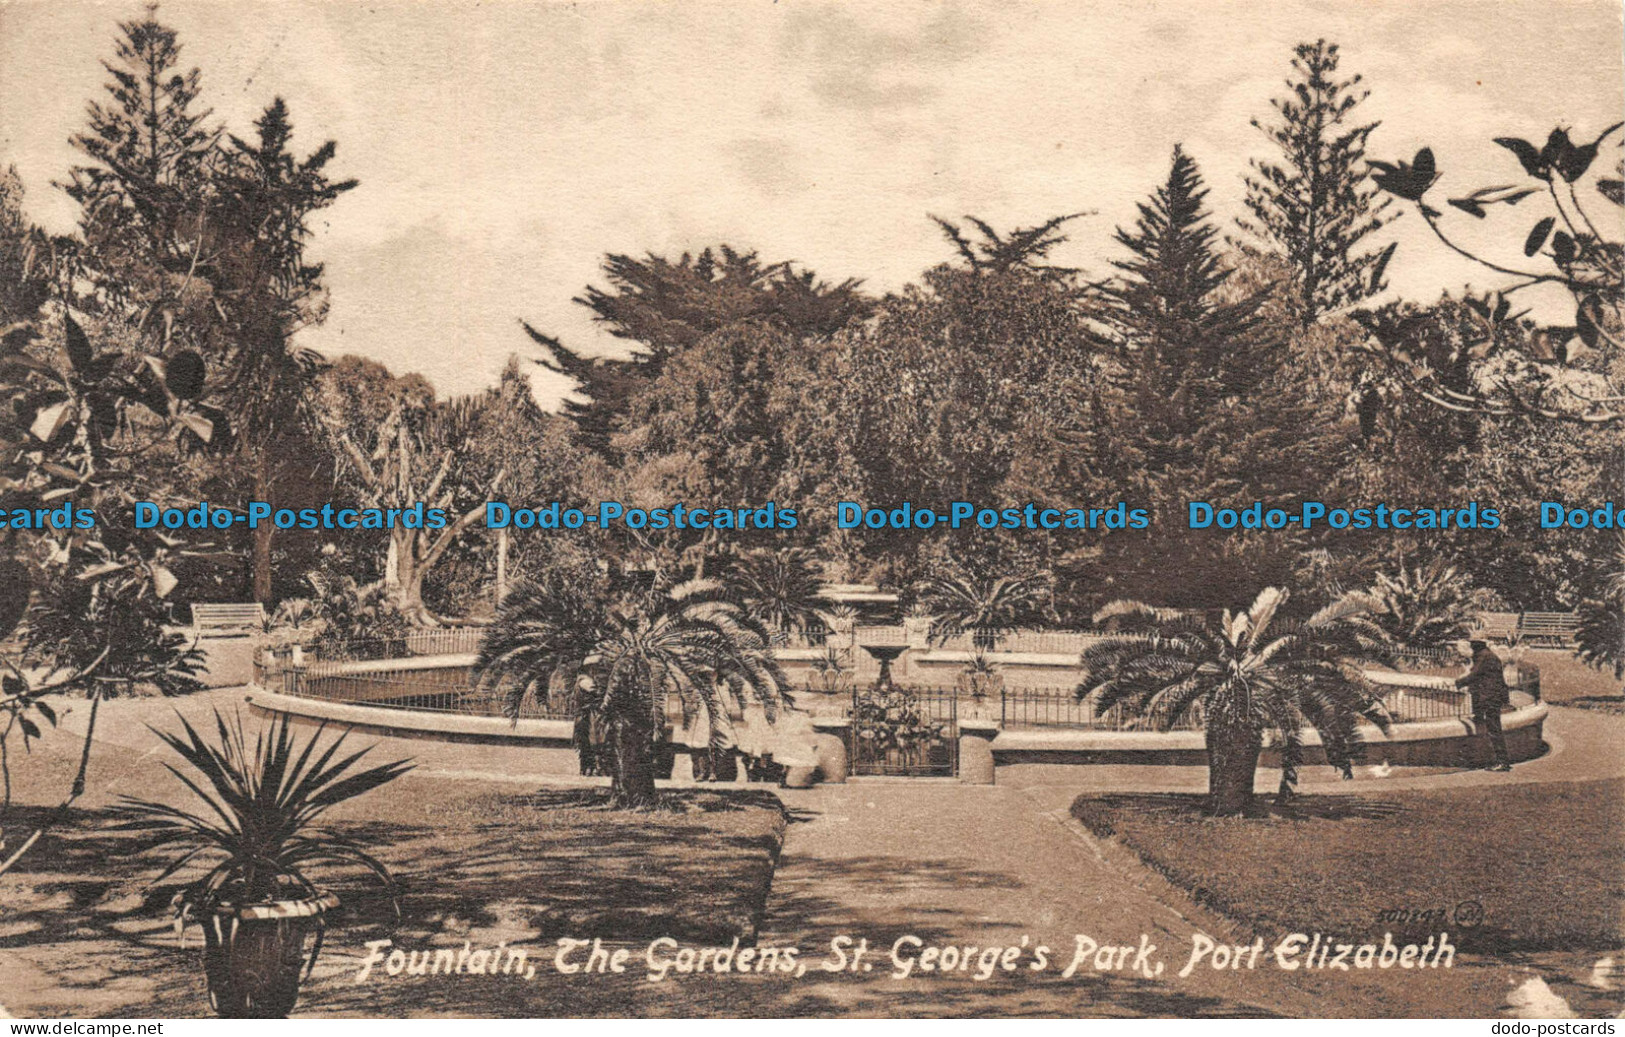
956,864
988,866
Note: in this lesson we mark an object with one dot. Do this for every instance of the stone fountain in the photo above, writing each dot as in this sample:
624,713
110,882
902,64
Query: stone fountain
886,654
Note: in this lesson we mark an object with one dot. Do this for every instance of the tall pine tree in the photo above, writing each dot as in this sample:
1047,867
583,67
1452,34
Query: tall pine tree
1197,412
1181,346
1316,204
267,198
150,150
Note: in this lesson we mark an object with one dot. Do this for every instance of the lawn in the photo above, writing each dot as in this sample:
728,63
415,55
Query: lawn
1566,681
83,933
560,861
1514,868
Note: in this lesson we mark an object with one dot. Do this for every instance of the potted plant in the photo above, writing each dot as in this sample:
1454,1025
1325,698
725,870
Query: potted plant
978,681
257,902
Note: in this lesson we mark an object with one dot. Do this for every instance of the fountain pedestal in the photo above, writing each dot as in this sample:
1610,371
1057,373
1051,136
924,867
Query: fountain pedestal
886,654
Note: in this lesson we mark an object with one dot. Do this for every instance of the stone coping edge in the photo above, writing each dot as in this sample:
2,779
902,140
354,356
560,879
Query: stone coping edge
386,719
318,668
1072,740
1018,740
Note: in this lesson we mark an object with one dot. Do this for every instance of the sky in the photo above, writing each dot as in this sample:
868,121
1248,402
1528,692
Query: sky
504,148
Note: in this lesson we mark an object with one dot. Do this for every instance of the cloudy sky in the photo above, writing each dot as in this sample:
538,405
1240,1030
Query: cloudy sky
503,148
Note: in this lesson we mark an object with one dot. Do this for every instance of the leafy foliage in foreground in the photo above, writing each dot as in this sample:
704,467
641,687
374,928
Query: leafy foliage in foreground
261,801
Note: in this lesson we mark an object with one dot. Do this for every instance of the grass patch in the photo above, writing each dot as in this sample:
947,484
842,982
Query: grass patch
562,862
1566,681
93,938
1540,861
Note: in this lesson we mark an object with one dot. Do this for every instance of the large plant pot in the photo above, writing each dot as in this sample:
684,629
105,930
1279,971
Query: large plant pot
255,955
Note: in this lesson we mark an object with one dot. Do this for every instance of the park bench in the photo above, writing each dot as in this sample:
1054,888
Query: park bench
1551,629
1497,626
228,618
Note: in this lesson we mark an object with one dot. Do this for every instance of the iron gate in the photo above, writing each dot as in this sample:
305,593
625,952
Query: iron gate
912,732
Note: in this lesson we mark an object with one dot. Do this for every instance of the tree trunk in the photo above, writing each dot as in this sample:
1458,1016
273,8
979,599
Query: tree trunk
263,532
262,564
633,784
410,601
502,565
1232,766
403,579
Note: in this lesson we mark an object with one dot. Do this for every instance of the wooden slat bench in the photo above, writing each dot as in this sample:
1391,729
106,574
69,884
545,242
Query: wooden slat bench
1555,629
1496,626
229,618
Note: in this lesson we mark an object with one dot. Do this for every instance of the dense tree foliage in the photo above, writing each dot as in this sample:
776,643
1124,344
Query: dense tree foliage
1314,206
662,308
157,354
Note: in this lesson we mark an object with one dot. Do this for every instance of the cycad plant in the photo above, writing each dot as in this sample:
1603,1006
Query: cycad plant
782,589
1427,606
1248,680
634,648
988,607
1600,639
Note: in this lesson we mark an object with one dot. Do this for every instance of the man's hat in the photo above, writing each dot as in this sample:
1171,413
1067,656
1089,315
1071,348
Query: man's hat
1478,646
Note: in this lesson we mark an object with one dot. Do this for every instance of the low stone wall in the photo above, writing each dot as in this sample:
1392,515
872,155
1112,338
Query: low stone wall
551,739
1053,756
940,668
988,753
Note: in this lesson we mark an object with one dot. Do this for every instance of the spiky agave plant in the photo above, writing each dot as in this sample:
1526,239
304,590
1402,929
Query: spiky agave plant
690,639
257,828
1162,663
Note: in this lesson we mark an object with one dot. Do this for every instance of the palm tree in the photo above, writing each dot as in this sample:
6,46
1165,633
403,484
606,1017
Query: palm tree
1427,605
782,589
1162,663
621,651
988,606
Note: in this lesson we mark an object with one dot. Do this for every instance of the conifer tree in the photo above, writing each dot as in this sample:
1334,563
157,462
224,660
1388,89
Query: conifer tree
149,149
1198,412
267,196
1315,205
664,307
1181,345
25,282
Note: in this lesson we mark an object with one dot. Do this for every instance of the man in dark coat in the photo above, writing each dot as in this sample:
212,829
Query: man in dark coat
1488,687
582,739
589,734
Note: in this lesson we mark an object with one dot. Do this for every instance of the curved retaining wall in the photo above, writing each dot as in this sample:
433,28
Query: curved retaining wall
988,755
551,737
1047,756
